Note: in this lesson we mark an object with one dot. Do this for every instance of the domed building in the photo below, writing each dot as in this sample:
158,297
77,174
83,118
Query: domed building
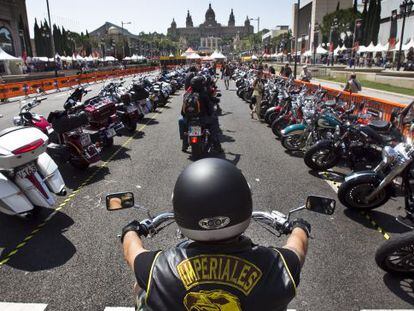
210,35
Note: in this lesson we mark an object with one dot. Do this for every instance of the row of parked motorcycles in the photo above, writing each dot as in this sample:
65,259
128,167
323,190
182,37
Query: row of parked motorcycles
329,133
31,151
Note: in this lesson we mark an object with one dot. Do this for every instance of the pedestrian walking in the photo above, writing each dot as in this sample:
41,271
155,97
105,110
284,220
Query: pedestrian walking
353,85
227,75
258,89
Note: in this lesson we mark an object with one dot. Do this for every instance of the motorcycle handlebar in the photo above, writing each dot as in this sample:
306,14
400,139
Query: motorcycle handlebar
275,220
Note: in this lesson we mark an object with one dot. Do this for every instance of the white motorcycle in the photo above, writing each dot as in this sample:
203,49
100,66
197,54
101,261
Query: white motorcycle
28,175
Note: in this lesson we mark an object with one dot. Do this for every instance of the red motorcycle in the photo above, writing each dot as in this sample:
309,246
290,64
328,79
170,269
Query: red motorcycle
104,123
68,141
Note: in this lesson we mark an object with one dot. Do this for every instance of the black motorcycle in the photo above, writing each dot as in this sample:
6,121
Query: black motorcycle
370,189
359,145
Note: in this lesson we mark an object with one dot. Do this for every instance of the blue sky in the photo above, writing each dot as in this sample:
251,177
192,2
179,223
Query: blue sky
156,15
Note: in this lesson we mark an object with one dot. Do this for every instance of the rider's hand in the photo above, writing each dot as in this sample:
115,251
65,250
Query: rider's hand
135,226
302,224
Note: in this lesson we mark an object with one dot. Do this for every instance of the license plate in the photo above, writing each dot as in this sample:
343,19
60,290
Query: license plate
131,109
85,140
194,131
110,133
26,171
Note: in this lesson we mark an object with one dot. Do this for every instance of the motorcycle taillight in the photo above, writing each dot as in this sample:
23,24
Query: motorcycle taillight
29,147
194,140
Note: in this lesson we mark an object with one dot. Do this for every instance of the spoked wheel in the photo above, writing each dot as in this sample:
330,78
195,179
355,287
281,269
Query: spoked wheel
322,156
396,256
353,194
293,142
278,125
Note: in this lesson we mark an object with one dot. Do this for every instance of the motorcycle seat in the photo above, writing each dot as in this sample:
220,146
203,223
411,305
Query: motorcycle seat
379,125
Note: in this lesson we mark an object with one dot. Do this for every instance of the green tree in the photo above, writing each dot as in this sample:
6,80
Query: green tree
345,22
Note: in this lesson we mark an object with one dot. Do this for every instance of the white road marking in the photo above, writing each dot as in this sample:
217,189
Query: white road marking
13,306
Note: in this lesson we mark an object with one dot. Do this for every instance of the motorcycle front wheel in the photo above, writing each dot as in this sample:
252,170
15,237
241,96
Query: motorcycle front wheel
278,125
322,156
396,255
353,193
293,142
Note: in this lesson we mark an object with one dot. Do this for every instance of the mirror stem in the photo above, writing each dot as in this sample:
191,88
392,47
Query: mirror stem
296,210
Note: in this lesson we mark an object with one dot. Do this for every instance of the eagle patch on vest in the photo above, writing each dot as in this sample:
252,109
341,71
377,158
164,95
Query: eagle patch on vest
212,299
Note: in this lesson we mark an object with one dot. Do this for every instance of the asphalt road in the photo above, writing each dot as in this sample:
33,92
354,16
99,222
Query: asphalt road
74,261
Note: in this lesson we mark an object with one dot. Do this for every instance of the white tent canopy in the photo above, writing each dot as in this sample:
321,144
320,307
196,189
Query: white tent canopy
189,52
217,55
381,48
254,57
409,45
193,56
109,59
307,53
12,65
319,50
89,58
41,59
5,56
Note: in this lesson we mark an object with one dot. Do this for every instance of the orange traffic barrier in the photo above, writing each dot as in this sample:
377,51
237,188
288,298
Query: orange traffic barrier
10,90
380,107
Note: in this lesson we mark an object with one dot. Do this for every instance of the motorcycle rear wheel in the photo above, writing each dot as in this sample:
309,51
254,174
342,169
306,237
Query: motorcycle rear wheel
321,156
396,255
131,126
196,151
79,164
293,142
352,194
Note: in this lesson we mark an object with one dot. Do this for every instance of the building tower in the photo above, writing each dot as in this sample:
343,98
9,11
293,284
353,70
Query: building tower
189,20
247,22
232,21
210,16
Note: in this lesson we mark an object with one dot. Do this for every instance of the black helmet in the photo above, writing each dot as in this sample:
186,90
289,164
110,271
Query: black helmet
197,83
212,201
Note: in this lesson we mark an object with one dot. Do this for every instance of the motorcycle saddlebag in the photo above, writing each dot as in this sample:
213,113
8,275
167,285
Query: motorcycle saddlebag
100,112
67,123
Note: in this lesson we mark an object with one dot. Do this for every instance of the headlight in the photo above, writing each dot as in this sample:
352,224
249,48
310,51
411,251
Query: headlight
389,155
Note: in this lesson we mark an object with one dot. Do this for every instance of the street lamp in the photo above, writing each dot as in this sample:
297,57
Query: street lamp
405,10
123,37
331,45
258,27
315,41
296,38
358,24
51,37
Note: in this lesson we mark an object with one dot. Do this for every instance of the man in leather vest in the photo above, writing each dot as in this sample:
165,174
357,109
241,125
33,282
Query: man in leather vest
218,268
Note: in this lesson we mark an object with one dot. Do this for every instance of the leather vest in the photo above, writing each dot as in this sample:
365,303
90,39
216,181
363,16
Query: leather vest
241,276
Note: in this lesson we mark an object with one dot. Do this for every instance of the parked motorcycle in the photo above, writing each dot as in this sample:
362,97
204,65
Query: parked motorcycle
396,255
68,140
359,145
370,189
104,123
28,175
